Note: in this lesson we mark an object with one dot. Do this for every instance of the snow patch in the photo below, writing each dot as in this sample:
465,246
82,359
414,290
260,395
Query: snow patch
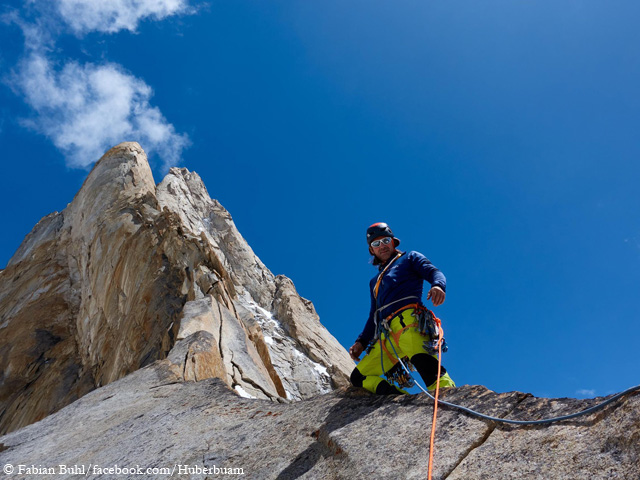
205,226
322,377
242,392
321,369
285,353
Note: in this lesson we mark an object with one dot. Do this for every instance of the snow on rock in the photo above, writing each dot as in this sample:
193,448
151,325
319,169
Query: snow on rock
299,374
242,392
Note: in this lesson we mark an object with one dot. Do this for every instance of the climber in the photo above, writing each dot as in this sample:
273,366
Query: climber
396,293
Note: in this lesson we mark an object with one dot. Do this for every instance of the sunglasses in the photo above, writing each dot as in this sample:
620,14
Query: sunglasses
384,241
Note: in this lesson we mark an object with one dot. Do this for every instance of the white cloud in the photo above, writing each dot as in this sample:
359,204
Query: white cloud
586,392
110,16
86,109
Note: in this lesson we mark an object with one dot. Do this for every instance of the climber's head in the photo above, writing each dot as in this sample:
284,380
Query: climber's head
382,243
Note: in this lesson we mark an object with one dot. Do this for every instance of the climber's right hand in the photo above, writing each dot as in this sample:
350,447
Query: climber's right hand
355,351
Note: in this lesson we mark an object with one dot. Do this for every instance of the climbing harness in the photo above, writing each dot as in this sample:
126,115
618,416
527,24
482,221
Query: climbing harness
426,323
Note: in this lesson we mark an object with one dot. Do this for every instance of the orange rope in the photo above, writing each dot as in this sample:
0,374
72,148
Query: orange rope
435,405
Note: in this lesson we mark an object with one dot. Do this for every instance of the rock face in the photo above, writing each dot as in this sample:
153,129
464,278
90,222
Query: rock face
131,273
153,419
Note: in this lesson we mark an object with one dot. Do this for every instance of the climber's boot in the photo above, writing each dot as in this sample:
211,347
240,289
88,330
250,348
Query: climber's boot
445,382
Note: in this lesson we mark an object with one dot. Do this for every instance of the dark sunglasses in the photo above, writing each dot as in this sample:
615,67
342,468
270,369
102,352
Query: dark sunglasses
384,241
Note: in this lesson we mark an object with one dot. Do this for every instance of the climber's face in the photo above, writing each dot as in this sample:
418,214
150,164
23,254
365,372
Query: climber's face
383,248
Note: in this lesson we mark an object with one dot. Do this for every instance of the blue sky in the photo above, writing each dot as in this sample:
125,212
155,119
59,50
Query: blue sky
498,138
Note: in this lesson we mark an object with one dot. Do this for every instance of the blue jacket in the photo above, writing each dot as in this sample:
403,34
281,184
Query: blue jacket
403,279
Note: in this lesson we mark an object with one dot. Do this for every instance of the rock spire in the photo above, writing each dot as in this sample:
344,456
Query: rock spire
131,273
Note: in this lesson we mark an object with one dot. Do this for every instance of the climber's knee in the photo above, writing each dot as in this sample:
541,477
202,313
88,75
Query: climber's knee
371,383
357,378
427,367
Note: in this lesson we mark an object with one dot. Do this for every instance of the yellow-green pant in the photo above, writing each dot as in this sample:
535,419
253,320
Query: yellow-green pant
409,343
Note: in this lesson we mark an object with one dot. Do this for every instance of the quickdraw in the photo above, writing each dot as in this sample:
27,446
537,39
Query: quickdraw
429,325
399,376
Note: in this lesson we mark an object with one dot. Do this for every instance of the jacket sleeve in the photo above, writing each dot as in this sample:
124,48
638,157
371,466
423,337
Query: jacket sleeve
369,329
428,270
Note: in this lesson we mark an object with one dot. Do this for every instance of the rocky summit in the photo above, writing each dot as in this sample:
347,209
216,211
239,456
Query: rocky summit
131,273
140,337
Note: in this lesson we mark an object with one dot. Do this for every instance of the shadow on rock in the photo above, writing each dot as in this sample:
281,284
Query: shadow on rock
353,406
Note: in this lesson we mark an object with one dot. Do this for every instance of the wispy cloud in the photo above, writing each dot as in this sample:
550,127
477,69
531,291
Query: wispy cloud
110,16
586,392
37,25
86,109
